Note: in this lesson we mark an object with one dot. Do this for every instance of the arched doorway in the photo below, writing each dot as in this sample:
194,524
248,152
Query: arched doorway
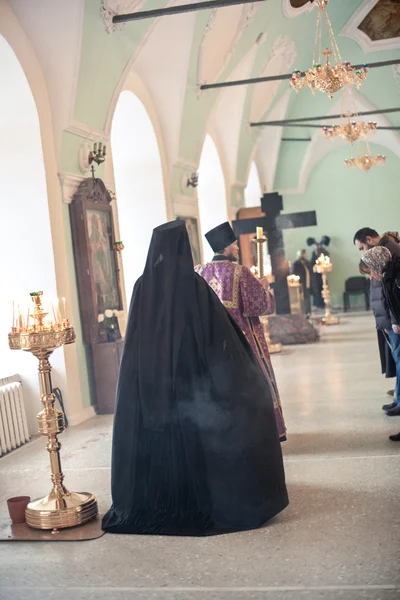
211,192
26,247
138,182
252,193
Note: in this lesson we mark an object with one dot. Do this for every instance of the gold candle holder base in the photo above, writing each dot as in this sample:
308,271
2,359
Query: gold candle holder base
61,508
274,348
59,512
330,320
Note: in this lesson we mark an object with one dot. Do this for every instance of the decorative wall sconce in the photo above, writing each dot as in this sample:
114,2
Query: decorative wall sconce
97,155
88,156
193,180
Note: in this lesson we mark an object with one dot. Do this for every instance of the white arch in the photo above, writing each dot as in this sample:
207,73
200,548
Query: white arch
24,212
253,192
320,147
212,196
75,386
138,181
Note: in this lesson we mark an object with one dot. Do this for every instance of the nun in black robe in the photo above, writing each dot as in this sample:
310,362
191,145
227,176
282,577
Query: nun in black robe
195,448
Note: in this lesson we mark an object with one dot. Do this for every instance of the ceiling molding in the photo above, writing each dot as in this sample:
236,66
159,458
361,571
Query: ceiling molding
290,12
69,184
350,30
246,17
110,8
396,75
281,58
86,132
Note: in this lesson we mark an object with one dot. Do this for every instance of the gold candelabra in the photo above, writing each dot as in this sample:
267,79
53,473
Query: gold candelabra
41,335
323,266
296,295
260,241
328,78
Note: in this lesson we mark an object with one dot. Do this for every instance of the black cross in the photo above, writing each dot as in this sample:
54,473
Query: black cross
273,224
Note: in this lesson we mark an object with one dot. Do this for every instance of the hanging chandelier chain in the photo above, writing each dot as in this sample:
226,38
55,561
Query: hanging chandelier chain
328,77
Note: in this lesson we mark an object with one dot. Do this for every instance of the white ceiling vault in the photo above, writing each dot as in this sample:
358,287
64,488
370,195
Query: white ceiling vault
80,52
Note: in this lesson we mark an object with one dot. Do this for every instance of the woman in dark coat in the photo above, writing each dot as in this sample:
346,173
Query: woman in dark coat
386,268
195,444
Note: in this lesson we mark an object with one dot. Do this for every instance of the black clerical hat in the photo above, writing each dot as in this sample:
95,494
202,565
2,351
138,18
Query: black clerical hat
221,237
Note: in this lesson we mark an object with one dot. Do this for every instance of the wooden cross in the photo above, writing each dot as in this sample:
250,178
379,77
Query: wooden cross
273,224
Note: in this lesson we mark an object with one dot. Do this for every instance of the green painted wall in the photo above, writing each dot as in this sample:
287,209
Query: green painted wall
345,200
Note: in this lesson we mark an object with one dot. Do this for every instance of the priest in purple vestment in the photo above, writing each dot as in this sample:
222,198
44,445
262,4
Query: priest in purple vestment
246,298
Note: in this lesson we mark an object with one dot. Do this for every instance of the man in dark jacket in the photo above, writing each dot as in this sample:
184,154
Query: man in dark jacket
365,239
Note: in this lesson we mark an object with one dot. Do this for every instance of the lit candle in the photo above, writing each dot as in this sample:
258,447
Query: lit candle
64,308
53,310
260,233
19,319
59,318
27,318
13,321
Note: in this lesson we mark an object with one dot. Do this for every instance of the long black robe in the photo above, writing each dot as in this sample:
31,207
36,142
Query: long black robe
195,445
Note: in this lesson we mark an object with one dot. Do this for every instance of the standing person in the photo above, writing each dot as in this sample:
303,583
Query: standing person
386,268
366,239
302,267
388,366
195,445
246,298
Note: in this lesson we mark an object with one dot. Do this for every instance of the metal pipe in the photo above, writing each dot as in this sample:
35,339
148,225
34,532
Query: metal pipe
313,126
210,86
176,10
293,122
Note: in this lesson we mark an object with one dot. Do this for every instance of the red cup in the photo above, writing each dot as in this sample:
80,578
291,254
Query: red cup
16,508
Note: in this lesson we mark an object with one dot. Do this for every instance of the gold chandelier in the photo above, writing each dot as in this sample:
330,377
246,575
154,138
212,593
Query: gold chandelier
366,161
328,78
350,131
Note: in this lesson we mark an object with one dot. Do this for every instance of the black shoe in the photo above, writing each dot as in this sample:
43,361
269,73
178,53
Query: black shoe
390,393
395,437
389,406
394,412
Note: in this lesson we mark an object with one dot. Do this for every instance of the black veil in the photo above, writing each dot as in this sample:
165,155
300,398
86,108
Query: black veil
195,445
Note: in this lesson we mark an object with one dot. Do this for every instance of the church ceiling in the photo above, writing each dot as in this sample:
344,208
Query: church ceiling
383,21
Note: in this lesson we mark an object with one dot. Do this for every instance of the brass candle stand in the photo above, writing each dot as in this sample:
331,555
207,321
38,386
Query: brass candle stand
61,508
260,241
324,266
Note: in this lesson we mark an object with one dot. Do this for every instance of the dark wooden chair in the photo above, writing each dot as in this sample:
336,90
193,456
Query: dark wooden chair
356,286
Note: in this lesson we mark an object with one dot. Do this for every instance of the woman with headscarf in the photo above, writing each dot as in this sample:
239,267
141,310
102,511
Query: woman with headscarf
195,444
385,267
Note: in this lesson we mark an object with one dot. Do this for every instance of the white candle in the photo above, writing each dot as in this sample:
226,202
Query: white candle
13,321
59,317
260,233
64,308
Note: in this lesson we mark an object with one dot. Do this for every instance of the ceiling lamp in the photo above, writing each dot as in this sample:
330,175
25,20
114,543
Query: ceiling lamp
350,131
366,161
328,78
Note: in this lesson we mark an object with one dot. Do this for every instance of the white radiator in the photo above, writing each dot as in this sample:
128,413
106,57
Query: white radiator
13,423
